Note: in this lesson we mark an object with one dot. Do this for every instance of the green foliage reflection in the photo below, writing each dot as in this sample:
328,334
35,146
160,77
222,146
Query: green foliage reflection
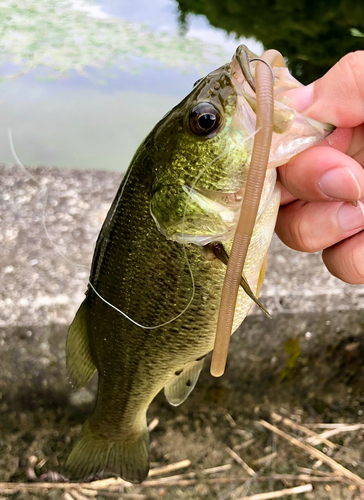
312,35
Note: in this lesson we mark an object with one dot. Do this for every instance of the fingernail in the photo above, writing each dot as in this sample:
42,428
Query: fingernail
340,183
350,217
302,98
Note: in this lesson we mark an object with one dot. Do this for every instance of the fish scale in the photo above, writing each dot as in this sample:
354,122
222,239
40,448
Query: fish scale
153,261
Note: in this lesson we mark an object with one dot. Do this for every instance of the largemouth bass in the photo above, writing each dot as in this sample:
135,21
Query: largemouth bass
150,313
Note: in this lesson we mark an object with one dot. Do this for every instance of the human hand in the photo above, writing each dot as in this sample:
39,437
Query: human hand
318,184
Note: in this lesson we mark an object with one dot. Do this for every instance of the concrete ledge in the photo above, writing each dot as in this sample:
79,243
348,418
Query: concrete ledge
42,287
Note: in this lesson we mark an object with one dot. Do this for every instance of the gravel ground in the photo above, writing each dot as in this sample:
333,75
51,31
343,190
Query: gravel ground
305,364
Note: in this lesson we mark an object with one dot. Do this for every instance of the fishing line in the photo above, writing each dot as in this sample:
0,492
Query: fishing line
189,199
13,152
11,144
162,324
184,251
267,64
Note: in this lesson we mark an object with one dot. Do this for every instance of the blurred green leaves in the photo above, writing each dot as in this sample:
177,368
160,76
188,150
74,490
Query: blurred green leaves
311,35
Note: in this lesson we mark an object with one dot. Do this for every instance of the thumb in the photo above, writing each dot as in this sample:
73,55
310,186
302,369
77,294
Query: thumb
337,97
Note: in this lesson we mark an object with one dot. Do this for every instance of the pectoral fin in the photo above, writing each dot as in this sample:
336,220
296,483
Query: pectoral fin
245,285
183,383
221,254
80,366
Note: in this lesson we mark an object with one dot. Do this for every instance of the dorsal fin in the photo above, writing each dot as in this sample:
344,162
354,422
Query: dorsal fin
183,383
80,365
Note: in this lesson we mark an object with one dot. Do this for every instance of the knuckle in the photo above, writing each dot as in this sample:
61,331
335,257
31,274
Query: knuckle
345,260
351,65
302,233
300,236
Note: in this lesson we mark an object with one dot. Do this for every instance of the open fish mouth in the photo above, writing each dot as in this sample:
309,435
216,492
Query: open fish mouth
292,132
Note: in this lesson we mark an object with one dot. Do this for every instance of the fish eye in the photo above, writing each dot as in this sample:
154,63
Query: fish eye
204,119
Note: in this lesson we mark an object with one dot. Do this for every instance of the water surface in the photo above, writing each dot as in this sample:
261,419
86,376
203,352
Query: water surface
83,83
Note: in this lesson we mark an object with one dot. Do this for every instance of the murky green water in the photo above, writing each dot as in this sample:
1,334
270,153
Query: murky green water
83,82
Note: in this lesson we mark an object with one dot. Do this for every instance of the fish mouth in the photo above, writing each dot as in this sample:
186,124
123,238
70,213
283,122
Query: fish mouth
243,122
243,70
190,214
292,132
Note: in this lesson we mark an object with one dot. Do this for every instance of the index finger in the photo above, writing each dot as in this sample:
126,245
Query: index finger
337,97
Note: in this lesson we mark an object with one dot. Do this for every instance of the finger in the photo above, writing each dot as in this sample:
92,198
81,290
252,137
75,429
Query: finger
286,196
340,138
356,149
337,97
345,260
323,174
310,227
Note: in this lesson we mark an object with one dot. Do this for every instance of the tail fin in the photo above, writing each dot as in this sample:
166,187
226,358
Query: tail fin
93,455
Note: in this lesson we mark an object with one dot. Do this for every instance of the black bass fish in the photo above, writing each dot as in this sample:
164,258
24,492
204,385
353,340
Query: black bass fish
150,312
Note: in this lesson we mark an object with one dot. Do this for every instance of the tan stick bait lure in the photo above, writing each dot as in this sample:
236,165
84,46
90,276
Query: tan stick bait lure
254,185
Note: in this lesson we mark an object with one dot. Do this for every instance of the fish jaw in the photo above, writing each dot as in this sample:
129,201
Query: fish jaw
293,132
302,133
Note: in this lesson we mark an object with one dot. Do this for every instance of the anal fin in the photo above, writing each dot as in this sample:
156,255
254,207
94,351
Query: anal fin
182,384
80,365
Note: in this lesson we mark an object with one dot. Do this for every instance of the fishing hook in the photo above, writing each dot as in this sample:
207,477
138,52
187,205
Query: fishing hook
267,63
242,55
